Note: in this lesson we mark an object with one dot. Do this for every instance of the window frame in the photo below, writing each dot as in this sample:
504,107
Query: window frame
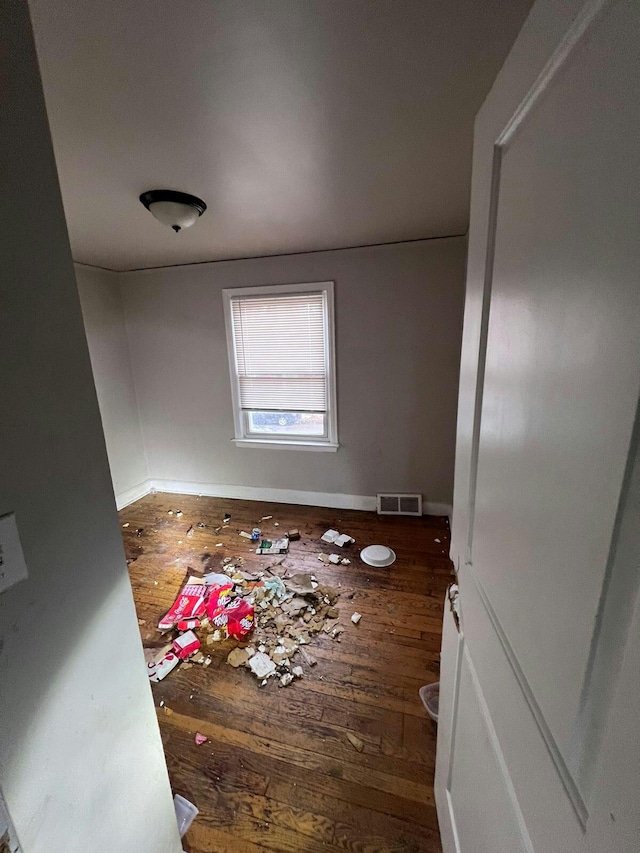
243,438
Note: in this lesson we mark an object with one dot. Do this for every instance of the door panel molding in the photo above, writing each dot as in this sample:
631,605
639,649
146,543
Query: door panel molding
507,799
580,27
573,779
566,777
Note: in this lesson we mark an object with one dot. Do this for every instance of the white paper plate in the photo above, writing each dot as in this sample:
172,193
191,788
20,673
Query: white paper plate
378,556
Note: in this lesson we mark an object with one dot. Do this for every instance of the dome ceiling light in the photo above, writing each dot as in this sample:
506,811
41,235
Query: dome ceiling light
177,210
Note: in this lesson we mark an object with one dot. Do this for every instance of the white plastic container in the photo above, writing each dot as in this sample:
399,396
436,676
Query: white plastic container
186,813
430,695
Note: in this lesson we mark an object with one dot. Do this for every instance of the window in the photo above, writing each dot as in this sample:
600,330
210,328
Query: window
282,364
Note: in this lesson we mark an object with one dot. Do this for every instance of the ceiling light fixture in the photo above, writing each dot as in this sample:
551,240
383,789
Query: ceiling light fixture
177,210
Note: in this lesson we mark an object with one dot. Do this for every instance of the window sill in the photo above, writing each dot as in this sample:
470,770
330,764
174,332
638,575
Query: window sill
269,444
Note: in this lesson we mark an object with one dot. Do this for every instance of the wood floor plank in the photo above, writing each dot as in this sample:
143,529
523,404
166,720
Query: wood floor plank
277,773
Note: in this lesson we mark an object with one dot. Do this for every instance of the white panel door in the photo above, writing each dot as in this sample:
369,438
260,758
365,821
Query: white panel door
538,749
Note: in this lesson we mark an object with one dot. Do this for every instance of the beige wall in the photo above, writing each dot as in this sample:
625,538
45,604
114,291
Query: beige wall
109,350
398,316
81,761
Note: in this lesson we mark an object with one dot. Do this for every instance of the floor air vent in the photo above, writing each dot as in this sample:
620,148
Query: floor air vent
390,504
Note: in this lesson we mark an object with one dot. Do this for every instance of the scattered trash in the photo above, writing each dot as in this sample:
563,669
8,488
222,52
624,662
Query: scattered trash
333,537
356,617
301,583
190,531
179,513
186,644
261,665
228,603
139,532
160,662
186,813
168,712
188,624
330,536
255,534
142,621
190,604
240,617
217,601
307,657
126,525
355,742
201,525
294,535
216,579
200,739
437,540
266,517
378,556
278,546
238,657
430,696
226,519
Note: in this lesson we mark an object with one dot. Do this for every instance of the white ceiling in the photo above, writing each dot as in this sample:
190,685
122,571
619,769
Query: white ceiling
303,124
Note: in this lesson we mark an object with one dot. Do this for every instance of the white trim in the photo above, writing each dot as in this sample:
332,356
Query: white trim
335,500
276,444
327,289
258,493
133,494
431,508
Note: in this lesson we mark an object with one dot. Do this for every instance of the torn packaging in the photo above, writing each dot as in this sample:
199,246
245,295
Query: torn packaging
186,644
238,657
278,546
217,599
190,604
302,583
160,662
240,617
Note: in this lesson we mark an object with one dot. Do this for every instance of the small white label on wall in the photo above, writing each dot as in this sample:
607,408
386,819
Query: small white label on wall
12,565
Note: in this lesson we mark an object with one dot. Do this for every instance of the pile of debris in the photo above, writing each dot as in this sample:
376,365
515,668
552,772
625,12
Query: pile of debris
272,617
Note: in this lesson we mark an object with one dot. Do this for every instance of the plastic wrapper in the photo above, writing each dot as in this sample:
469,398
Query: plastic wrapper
240,617
217,600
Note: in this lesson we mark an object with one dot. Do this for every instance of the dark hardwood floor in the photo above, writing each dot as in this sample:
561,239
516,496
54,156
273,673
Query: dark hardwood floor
278,772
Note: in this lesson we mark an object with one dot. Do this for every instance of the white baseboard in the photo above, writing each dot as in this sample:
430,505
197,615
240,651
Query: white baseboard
133,494
334,500
430,508
260,493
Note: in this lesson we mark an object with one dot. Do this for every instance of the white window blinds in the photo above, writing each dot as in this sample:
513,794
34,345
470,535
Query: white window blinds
280,345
